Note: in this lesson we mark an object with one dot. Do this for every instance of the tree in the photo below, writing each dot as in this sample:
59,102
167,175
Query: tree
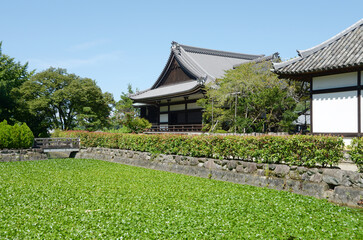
12,75
66,101
124,107
250,98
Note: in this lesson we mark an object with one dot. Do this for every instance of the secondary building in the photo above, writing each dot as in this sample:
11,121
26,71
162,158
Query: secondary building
170,104
334,70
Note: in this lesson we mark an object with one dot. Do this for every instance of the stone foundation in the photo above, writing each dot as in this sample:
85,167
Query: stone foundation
21,155
336,185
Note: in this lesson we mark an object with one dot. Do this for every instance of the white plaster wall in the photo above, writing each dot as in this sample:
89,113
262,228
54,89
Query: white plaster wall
177,107
193,106
335,81
164,118
335,112
163,108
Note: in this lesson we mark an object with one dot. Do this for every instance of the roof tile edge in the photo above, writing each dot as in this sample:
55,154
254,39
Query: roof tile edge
309,51
220,53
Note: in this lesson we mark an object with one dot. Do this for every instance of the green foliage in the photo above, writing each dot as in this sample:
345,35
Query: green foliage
136,124
295,149
12,75
65,101
356,152
123,108
263,102
17,136
91,199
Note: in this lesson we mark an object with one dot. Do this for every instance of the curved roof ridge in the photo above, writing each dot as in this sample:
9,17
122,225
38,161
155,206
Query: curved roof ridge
218,52
309,51
285,63
260,59
189,63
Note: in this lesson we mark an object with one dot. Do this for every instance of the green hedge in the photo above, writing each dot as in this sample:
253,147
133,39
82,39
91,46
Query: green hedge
296,149
17,136
356,153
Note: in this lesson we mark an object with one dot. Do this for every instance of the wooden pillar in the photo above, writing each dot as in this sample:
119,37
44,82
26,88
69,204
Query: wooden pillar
186,110
169,111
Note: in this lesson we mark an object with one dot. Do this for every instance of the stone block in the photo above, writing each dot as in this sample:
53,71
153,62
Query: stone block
130,154
193,162
349,195
260,172
210,164
314,189
294,175
333,176
239,168
271,167
276,183
317,177
294,167
260,165
231,165
356,179
312,171
301,170
293,186
251,167
305,176
178,159
281,170
225,162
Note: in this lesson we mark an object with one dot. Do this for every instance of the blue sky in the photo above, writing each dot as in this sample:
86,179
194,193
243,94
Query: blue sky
121,42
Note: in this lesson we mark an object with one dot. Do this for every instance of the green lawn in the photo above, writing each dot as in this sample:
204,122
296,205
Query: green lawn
91,199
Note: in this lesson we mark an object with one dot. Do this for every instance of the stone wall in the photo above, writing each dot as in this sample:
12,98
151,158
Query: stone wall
21,155
339,186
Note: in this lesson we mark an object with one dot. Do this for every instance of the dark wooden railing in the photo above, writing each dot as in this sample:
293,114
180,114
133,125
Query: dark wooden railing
57,144
176,128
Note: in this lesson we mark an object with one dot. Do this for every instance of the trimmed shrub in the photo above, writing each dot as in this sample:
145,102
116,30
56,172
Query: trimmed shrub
294,150
17,136
356,153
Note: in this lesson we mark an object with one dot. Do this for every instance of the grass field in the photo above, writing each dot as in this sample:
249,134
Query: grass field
91,199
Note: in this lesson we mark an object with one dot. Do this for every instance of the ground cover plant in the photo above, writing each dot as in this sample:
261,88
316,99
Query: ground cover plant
294,149
92,199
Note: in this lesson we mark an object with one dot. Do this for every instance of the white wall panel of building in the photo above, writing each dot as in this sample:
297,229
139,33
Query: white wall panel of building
163,108
335,112
193,106
335,81
177,107
164,118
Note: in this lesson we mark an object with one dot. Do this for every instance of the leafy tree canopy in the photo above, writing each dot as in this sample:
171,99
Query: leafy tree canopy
12,75
124,107
66,101
251,98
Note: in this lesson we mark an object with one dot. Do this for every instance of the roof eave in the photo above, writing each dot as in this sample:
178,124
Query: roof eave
167,96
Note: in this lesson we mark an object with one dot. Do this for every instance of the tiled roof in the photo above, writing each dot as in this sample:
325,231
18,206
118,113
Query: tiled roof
208,64
204,65
165,91
261,59
344,50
